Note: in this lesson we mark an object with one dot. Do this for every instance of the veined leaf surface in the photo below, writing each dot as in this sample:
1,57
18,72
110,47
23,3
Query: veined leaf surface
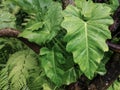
49,61
7,20
87,30
52,62
46,25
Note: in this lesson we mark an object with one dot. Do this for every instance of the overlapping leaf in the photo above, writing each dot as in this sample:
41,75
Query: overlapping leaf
87,30
45,22
115,85
17,70
7,20
102,69
49,63
114,4
53,61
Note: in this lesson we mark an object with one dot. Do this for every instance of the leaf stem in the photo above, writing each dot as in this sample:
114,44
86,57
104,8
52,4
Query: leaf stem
9,32
60,46
59,43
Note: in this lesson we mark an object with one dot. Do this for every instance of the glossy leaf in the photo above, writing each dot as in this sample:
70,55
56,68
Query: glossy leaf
87,30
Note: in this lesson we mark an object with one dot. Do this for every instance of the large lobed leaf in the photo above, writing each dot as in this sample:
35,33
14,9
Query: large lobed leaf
49,63
53,62
87,30
46,20
102,69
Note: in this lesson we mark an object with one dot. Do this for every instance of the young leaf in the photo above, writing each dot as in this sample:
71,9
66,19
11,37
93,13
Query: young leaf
71,75
87,30
32,6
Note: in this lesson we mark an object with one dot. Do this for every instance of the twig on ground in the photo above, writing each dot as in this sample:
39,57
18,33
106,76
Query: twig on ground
8,32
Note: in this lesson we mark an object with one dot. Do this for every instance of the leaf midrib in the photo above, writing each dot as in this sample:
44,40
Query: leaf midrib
53,61
86,39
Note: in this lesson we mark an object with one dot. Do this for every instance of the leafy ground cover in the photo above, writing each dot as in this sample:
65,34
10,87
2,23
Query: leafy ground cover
59,45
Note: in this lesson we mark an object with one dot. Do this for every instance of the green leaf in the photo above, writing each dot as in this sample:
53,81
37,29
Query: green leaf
49,61
114,4
58,72
6,19
4,81
87,30
49,28
101,69
71,75
115,86
35,26
1,46
36,80
46,87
